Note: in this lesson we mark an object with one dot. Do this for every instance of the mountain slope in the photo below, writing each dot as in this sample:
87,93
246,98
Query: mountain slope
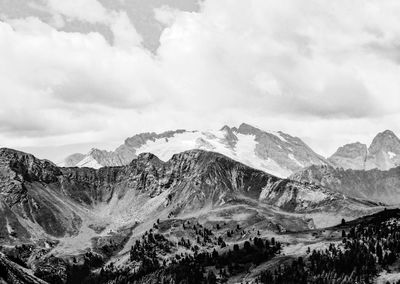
274,152
377,185
383,154
13,273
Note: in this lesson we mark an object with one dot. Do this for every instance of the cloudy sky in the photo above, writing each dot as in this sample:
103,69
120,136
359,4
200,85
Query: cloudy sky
81,73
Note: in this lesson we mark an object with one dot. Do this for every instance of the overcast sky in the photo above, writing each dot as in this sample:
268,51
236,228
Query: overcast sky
81,73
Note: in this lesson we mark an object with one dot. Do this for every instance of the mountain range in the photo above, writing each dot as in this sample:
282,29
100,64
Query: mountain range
40,199
61,213
277,153
99,207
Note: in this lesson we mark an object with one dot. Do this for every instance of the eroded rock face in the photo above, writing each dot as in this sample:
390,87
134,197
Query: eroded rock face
13,273
351,156
383,154
27,167
25,192
375,185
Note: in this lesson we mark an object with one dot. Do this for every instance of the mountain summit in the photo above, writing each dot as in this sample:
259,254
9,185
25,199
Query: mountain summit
383,154
277,153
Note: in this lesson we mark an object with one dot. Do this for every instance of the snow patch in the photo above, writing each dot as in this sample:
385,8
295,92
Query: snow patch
244,150
311,195
178,143
89,162
282,137
392,155
212,140
9,228
291,156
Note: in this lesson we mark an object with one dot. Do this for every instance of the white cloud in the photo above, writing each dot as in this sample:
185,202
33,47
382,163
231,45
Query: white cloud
87,10
307,68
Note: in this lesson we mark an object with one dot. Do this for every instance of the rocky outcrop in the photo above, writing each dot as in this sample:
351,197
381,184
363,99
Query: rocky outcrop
26,167
26,193
13,273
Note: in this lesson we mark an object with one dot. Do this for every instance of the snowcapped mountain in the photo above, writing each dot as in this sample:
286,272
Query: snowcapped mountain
277,153
383,154
376,185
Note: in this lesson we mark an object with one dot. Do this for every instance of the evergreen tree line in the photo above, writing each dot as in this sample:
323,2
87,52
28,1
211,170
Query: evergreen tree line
203,267
365,251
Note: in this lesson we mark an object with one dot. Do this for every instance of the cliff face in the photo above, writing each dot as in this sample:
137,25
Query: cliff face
376,185
13,273
351,156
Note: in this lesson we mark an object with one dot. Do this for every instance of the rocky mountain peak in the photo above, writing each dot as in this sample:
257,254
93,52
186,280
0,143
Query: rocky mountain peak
385,140
245,128
147,159
27,166
352,149
194,159
226,128
230,137
350,156
383,153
